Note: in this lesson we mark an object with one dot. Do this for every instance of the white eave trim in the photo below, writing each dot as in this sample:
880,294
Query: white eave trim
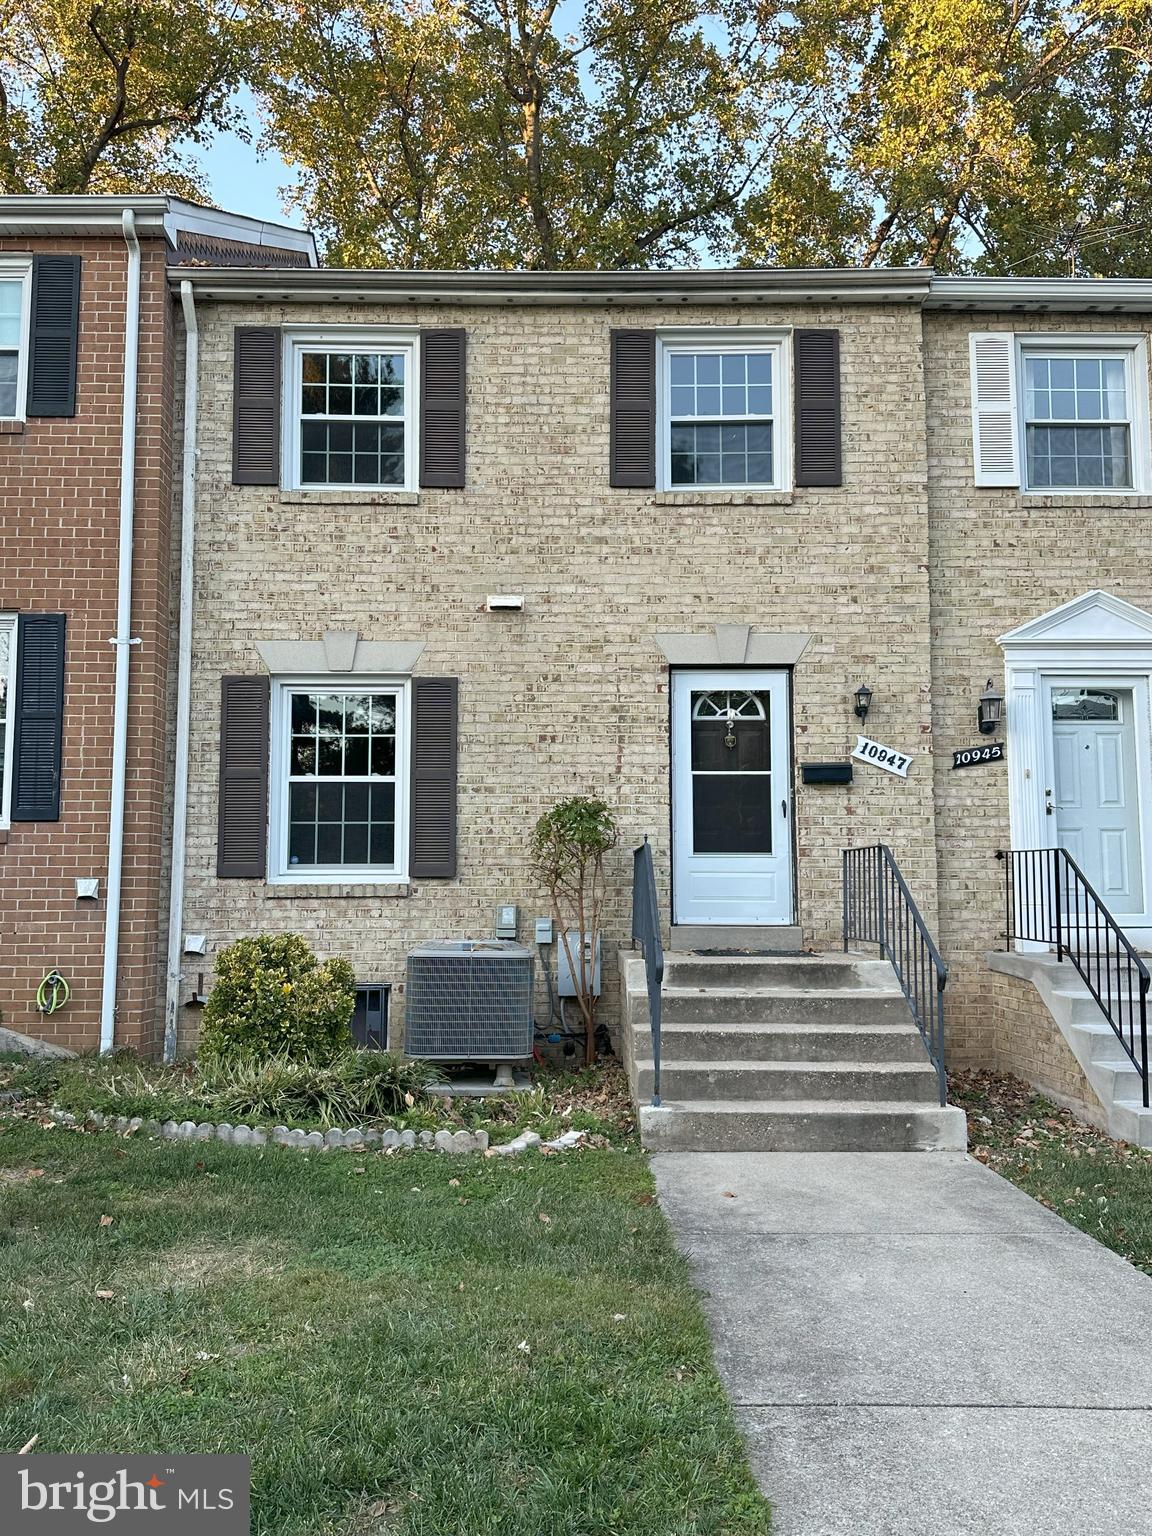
154,215
1080,295
670,288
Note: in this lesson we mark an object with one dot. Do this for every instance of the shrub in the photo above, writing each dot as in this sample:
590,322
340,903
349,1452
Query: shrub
272,997
359,1084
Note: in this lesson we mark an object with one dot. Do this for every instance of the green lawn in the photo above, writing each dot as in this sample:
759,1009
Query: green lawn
1102,1186
412,1345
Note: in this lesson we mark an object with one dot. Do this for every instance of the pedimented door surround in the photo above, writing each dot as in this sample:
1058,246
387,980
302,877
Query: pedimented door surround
1098,639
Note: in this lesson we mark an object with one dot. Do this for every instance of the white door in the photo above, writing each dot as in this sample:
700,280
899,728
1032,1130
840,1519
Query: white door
731,798
1095,796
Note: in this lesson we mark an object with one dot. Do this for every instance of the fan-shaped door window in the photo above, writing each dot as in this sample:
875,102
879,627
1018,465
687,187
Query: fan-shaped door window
731,772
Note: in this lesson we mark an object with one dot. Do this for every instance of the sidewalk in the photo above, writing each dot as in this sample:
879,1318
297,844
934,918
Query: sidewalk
916,1348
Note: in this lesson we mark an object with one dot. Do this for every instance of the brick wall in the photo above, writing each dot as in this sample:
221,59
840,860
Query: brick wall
59,522
1027,1042
572,694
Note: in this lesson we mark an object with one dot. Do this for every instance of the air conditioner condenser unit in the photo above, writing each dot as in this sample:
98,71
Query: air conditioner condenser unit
469,1000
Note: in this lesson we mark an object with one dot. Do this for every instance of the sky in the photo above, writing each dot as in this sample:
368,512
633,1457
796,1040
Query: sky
243,181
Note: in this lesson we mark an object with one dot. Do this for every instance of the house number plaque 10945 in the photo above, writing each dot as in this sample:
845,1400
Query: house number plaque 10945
976,757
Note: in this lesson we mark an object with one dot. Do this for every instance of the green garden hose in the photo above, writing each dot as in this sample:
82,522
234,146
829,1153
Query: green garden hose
52,993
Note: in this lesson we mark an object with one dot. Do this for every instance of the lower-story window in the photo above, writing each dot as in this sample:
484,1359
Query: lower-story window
339,782
7,705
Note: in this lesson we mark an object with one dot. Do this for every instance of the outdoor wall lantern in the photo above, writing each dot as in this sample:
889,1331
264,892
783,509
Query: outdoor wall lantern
863,701
991,710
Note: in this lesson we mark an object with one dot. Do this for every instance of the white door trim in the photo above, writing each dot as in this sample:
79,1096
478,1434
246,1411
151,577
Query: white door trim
777,902
1097,638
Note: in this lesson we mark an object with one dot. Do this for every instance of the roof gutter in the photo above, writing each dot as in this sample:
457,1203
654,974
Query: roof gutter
1084,295
740,286
122,640
76,215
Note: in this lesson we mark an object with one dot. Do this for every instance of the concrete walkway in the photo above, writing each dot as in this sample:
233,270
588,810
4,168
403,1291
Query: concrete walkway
915,1347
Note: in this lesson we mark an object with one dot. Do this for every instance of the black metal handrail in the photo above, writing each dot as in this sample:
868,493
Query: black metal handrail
879,909
1049,900
646,933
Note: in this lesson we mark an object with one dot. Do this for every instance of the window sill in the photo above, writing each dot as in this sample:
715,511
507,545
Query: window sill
721,498
326,890
1136,501
322,497
11,427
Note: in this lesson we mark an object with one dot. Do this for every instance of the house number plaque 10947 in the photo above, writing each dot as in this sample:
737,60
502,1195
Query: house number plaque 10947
976,757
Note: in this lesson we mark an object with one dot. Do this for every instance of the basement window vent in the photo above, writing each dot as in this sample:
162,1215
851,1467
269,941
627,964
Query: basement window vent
370,1017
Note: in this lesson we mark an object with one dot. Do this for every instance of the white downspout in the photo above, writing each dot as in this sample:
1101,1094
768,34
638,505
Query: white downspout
183,674
122,640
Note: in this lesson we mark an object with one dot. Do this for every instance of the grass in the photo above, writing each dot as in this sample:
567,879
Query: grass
406,1345
1102,1186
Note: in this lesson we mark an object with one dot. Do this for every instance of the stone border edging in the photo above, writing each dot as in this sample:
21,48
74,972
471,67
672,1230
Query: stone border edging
455,1142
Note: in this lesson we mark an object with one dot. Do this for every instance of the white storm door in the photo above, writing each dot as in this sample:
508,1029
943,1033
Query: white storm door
1095,788
731,798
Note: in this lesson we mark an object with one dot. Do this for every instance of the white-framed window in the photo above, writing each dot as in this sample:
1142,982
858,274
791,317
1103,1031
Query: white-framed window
7,711
15,305
723,413
1083,413
351,411
339,780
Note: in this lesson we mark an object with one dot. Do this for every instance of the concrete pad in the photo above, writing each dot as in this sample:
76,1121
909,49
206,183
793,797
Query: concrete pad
953,1471
915,1348
805,1192
910,1319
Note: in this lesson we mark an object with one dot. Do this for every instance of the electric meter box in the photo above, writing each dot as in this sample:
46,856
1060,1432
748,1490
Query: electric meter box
565,982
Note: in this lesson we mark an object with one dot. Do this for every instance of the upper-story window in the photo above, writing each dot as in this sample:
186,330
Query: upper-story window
7,701
722,414
14,285
1084,418
353,410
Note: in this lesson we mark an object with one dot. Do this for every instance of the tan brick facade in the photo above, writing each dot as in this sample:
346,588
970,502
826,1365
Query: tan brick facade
59,522
998,559
572,694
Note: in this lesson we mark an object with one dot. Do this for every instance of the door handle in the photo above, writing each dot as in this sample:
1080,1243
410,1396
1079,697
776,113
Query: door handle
784,809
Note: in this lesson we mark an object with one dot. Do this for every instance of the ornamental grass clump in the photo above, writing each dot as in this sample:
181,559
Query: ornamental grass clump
273,998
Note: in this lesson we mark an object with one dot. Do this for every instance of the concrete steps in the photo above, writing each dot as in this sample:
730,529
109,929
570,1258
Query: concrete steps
1107,1067
817,1125
782,1053
855,1082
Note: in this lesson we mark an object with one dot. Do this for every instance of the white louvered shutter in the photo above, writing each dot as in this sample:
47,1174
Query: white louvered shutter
995,440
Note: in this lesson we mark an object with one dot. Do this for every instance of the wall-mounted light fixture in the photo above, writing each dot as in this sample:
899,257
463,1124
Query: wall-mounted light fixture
863,702
991,709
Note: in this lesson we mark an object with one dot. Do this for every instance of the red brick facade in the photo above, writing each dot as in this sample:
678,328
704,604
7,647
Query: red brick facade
59,527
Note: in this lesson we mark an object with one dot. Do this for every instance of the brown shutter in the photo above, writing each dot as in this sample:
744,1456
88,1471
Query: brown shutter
816,360
434,712
632,450
256,406
442,390
242,831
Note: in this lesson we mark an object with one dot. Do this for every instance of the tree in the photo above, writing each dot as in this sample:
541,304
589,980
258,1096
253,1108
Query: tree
452,133
568,847
990,135
108,97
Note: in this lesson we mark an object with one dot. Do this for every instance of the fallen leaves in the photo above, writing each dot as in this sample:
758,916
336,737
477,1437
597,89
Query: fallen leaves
106,1221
